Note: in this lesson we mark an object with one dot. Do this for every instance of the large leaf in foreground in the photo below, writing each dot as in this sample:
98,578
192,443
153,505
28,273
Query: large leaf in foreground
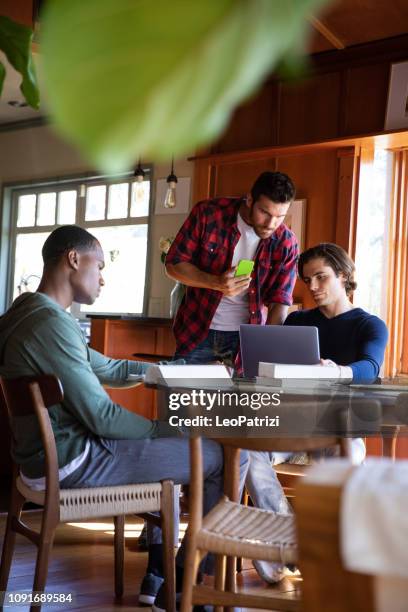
156,78
15,42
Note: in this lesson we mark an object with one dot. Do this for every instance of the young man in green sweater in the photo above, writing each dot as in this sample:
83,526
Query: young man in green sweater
99,443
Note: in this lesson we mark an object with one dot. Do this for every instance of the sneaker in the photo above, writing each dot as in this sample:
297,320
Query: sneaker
160,603
269,571
149,588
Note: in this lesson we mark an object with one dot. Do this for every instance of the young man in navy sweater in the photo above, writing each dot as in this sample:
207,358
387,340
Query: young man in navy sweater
351,340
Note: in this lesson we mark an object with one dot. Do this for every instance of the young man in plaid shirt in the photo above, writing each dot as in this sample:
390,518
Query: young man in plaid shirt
217,234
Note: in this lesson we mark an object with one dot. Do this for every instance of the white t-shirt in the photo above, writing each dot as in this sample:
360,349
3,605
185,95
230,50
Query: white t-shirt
233,311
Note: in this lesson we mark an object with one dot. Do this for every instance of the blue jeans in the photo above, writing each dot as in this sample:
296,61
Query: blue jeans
218,346
119,462
262,483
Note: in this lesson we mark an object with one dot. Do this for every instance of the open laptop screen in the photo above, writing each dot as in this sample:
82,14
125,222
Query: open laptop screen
278,344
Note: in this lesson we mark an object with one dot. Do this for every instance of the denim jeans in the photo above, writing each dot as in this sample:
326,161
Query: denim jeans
218,346
262,483
119,462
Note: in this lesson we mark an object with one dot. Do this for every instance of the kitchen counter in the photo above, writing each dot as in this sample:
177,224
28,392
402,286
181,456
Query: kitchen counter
133,337
138,319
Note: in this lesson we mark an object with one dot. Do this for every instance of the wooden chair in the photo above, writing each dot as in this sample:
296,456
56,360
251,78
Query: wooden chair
231,529
327,585
318,502
33,396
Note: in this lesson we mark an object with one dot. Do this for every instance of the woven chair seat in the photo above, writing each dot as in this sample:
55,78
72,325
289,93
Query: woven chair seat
237,530
78,504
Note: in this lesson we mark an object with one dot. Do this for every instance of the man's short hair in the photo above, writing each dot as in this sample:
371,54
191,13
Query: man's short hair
66,238
276,186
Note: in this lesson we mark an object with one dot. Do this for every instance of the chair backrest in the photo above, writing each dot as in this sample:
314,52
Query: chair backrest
33,396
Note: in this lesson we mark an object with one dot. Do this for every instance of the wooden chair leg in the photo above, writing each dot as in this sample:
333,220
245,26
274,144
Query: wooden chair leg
16,505
191,563
230,579
389,442
219,583
244,502
119,552
167,521
41,566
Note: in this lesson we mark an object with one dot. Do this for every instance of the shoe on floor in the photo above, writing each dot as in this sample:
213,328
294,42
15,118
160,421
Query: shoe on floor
269,571
149,588
160,603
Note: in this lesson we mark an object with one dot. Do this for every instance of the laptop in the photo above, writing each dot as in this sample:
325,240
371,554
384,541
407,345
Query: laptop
296,344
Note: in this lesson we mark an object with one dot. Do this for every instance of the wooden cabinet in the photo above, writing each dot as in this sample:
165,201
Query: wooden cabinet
140,339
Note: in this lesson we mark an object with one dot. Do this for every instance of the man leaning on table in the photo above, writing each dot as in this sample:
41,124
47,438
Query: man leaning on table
217,234
99,443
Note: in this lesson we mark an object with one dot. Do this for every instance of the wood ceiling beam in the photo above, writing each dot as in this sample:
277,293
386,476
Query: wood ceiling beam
328,34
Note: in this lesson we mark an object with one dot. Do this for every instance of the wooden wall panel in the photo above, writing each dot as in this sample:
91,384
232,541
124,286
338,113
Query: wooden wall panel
236,179
315,177
365,99
345,93
254,124
347,190
309,111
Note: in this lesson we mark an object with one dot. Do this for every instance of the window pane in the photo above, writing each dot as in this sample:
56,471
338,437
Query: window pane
28,262
118,201
26,210
372,233
67,207
125,250
139,205
95,202
46,209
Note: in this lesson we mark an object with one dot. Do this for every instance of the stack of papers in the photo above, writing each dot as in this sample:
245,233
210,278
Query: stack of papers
276,374
188,375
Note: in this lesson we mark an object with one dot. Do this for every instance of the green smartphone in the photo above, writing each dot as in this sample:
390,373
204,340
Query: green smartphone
245,266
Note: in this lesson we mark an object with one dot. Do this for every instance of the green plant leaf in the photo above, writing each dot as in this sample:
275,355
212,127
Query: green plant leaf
15,42
137,77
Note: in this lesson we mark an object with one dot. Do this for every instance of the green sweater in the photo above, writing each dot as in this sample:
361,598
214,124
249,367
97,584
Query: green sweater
38,337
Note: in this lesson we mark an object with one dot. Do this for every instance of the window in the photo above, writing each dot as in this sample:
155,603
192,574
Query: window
372,239
116,212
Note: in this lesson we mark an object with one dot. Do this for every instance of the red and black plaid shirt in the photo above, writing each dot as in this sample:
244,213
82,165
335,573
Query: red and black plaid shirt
207,240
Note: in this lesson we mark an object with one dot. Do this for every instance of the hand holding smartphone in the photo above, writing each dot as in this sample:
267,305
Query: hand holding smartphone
244,267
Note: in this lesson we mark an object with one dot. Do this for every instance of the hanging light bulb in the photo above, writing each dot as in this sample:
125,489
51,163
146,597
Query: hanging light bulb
170,198
139,175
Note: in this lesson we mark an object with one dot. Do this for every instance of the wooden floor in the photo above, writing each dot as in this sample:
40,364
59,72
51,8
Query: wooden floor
82,563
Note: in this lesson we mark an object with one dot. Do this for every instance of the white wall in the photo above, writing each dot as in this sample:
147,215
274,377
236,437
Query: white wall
37,153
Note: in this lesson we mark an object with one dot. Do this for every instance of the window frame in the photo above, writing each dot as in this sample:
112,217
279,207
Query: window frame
398,270
9,215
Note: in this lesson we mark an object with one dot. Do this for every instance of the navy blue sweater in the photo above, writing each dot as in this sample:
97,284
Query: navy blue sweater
354,338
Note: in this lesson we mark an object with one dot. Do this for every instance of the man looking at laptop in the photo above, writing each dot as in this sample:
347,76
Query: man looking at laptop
99,443
217,234
351,340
